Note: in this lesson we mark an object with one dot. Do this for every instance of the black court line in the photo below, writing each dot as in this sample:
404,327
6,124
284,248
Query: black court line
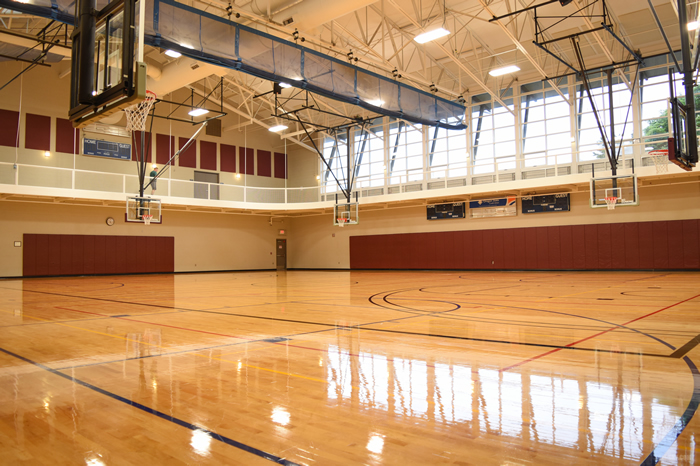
173,419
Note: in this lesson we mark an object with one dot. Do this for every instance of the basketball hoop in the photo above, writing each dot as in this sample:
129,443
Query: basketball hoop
137,113
611,201
660,159
342,221
147,219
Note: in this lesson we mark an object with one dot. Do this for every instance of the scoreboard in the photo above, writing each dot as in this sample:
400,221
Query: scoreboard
546,203
454,210
108,149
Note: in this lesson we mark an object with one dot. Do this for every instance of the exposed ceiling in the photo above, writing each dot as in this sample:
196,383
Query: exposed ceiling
380,35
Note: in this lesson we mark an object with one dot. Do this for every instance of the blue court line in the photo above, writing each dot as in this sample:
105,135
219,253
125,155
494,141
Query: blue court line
174,420
670,438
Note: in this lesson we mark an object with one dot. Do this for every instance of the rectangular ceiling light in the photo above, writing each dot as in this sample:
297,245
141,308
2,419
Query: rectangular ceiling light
431,35
173,53
504,70
198,112
693,25
285,85
277,129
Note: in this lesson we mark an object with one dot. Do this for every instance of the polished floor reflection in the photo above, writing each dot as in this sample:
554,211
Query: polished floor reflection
343,368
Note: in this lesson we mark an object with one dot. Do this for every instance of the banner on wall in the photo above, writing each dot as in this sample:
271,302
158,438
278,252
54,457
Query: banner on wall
107,149
501,207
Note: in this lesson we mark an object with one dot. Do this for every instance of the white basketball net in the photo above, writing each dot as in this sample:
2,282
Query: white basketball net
137,113
660,159
342,221
147,219
611,202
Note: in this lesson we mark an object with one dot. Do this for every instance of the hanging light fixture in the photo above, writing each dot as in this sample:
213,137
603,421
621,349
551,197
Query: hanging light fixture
504,70
433,33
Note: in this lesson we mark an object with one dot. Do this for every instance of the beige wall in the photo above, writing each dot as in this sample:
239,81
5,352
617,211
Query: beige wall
206,241
315,243
203,242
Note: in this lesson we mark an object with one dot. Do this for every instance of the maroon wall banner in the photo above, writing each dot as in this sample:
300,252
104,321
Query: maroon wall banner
617,246
49,255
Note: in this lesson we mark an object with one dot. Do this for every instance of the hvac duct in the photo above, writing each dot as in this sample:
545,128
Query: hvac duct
309,14
181,73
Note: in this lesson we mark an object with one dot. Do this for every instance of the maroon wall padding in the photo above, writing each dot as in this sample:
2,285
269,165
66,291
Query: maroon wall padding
67,137
280,165
247,160
86,255
228,158
264,163
165,148
207,155
8,128
671,245
37,132
148,147
188,158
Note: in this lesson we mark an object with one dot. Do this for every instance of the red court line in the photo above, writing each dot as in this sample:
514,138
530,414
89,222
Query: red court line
596,335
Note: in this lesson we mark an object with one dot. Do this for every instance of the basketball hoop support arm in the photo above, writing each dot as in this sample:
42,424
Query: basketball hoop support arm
183,148
320,154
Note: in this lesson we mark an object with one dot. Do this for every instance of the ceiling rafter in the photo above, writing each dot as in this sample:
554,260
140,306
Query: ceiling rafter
461,65
524,51
400,69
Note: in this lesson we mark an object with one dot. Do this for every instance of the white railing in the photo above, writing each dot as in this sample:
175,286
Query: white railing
496,170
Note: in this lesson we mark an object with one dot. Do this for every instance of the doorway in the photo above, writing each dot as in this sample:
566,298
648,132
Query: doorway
206,185
281,254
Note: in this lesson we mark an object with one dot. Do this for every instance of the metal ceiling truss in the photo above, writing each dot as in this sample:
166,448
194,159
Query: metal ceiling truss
192,105
452,57
50,36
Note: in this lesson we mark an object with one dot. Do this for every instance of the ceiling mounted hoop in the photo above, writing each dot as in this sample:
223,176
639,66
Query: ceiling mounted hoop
660,159
136,114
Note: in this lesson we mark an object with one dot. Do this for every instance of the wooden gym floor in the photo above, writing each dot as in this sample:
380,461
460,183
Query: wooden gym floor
336,368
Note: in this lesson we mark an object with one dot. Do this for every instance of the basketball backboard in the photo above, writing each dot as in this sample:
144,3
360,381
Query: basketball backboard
107,72
137,207
622,187
346,214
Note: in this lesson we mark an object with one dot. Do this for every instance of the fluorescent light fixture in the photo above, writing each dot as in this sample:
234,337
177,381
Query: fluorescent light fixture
504,70
693,25
47,154
431,35
285,85
198,112
173,53
277,129
376,102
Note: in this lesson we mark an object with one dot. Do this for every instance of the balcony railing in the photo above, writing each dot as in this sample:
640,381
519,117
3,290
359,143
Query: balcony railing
487,172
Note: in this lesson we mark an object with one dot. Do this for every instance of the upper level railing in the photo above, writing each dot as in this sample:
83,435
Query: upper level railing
489,172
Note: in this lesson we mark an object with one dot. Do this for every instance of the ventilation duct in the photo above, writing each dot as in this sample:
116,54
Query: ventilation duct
217,41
